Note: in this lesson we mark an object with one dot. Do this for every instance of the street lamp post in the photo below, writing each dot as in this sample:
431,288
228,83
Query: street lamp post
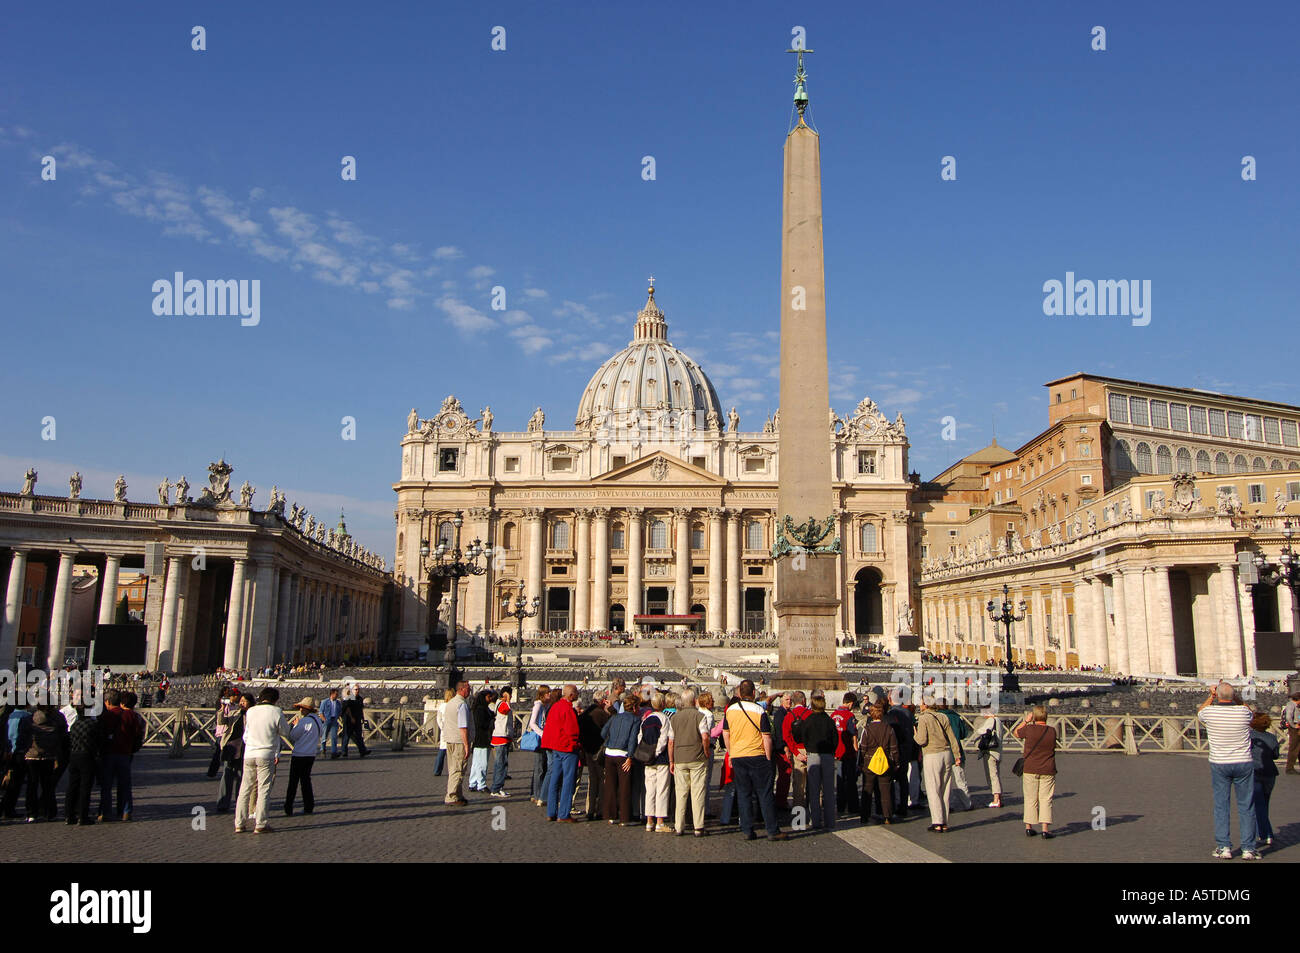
449,562
524,608
1286,572
1007,614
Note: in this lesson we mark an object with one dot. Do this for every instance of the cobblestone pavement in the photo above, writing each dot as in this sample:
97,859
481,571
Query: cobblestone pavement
389,807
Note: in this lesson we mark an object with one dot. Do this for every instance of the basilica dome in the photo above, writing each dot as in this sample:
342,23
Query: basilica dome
649,375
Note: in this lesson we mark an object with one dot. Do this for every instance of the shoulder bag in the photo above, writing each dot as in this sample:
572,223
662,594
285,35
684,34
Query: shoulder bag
1018,769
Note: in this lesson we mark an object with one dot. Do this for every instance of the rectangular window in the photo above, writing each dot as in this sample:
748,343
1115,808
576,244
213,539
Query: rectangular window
697,539
617,541
1236,425
697,570
952,534
1119,408
1271,432
1255,492
925,550
1293,491
1149,498
1197,419
1290,434
447,460
559,570
619,462
1178,417
1218,424
754,570
512,464
1085,450
1137,409
997,496
1254,427
755,464
699,462
1160,414
997,477
617,570
561,464
866,461
1086,479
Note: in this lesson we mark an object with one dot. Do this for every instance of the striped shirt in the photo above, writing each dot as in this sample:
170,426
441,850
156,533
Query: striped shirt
1228,728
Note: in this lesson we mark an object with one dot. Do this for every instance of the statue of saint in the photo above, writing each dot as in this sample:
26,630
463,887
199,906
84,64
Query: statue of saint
537,421
182,491
29,482
74,486
733,420
246,494
412,421
119,488
164,491
487,419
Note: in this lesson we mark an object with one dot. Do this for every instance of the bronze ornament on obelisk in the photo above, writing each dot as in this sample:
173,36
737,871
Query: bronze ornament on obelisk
807,547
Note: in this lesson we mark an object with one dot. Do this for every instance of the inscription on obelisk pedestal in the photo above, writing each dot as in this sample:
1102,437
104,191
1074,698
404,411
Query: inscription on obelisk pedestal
806,553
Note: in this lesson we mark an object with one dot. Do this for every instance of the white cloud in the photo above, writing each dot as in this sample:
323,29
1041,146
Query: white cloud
535,293
466,318
448,253
480,271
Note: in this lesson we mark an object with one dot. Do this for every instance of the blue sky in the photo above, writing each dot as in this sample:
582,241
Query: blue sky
522,169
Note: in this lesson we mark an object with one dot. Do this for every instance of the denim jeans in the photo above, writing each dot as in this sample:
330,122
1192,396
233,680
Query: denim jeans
1263,793
115,771
560,780
541,762
1225,778
332,735
440,762
754,776
500,766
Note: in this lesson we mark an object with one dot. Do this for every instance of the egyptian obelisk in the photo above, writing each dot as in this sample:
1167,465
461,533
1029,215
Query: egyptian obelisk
807,544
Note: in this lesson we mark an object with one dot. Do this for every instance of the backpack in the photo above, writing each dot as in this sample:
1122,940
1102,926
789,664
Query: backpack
796,729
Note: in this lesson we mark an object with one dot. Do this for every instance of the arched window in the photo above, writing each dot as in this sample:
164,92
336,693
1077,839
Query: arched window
1123,456
1144,457
560,535
658,535
868,537
509,536
1221,464
1258,465
401,541
1275,465
1202,461
1164,460
1184,460
697,536
617,537
754,535
1239,464
1293,465
446,532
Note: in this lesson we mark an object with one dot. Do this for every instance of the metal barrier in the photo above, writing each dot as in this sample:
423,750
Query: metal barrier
411,726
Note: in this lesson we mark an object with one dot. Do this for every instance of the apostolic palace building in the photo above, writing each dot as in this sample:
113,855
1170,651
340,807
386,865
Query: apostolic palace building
653,510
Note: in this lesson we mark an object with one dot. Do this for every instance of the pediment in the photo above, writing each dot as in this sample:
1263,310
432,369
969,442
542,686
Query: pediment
659,469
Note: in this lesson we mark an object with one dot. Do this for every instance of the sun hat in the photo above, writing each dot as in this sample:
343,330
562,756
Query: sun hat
307,704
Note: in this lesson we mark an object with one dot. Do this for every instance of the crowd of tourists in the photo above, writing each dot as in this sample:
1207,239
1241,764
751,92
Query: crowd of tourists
41,743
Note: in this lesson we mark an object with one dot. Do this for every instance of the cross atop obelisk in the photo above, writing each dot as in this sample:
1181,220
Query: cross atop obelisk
800,82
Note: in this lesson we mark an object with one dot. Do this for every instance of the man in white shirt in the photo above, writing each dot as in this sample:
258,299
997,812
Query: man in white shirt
455,731
1227,723
264,723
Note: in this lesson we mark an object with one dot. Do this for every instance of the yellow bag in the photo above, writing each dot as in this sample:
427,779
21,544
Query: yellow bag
878,764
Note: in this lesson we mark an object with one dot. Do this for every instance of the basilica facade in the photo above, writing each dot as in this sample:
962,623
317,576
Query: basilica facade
654,511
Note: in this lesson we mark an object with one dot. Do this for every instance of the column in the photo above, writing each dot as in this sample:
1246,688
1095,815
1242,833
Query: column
166,661
635,563
1038,638
682,583
291,620
14,608
582,597
1060,624
108,590
600,591
1160,621
1135,610
263,594
1100,624
1284,608
536,563
1118,598
280,652
1246,608
235,614
1230,622
733,571
59,614
715,620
